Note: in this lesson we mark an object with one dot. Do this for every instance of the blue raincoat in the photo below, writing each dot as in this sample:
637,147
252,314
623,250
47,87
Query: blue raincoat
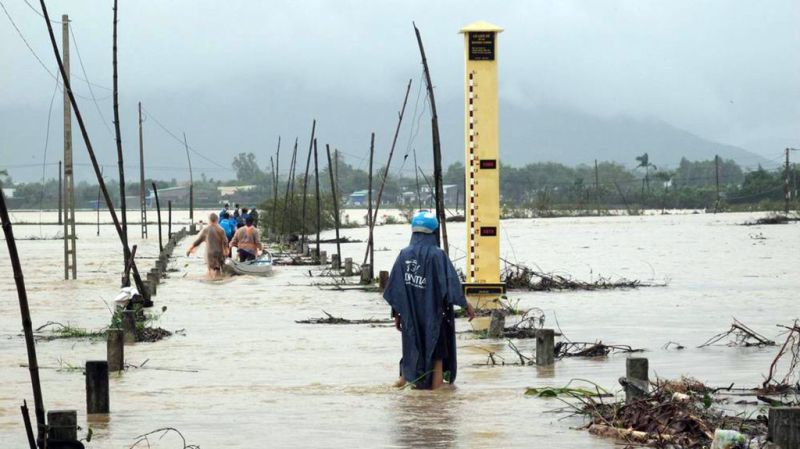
423,288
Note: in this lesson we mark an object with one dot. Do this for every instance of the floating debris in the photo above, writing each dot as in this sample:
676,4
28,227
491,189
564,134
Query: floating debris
330,319
517,276
770,219
585,349
791,380
742,336
675,414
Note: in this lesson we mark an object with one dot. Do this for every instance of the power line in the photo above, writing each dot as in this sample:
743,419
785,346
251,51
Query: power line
30,49
180,141
89,84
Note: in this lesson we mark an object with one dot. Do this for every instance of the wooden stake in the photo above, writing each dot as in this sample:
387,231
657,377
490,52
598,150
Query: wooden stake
191,183
316,186
275,186
437,149
305,183
60,192
158,214
288,188
335,205
388,163
371,240
169,219
27,327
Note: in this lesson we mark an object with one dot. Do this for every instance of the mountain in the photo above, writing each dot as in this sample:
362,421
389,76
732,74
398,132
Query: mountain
572,137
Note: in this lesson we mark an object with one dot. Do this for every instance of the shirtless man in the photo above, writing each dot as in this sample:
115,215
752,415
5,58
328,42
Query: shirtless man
216,246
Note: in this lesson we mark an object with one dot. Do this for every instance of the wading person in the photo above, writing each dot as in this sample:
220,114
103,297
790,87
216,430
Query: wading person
216,246
422,290
247,240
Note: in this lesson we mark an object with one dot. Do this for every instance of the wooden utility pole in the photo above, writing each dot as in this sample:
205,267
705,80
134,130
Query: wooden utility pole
596,187
191,182
64,70
716,177
316,186
437,149
99,192
122,206
305,183
370,241
786,192
335,202
142,187
70,240
60,192
386,170
169,219
27,327
158,215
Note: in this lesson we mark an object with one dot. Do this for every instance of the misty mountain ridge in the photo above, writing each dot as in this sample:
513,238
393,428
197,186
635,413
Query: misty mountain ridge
572,137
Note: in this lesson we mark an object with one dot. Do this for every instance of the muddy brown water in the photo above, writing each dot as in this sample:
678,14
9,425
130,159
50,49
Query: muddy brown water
245,375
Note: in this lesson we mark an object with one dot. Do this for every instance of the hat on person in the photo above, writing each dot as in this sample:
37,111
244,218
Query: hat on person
424,221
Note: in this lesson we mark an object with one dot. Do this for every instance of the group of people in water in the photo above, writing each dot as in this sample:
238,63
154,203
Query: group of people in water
230,229
422,290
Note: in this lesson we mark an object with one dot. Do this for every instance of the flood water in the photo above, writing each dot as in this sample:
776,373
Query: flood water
244,374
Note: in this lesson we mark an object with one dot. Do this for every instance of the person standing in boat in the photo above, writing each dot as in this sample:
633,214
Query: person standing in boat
216,246
247,240
423,287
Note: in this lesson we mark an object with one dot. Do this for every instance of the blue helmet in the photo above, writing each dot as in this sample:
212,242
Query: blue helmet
424,221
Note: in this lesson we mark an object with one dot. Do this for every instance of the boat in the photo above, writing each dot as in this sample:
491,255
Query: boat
261,266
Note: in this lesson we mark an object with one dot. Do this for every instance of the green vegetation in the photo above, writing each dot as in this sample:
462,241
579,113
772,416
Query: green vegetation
537,189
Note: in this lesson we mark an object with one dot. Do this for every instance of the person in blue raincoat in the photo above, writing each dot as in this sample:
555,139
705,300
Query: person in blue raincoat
423,287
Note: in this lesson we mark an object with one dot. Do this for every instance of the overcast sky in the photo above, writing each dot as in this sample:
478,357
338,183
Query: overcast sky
236,74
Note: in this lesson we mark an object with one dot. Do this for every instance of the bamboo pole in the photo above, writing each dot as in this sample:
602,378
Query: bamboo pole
275,187
169,219
437,149
191,182
288,187
305,183
87,142
27,326
335,202
371,240
416,177
316,186
158,215
386,170
142,188
126,253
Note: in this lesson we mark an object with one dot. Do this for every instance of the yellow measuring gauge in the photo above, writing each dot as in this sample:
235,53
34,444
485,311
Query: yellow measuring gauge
481,141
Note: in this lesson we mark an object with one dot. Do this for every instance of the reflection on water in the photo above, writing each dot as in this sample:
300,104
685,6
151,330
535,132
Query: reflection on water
245,371
426,419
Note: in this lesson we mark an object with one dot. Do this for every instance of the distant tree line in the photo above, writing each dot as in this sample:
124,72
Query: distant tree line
541,188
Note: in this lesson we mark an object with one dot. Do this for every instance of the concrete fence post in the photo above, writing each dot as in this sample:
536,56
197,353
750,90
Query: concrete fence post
129,326
784,427
545,344
97,398
115,350
62,425
637,380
